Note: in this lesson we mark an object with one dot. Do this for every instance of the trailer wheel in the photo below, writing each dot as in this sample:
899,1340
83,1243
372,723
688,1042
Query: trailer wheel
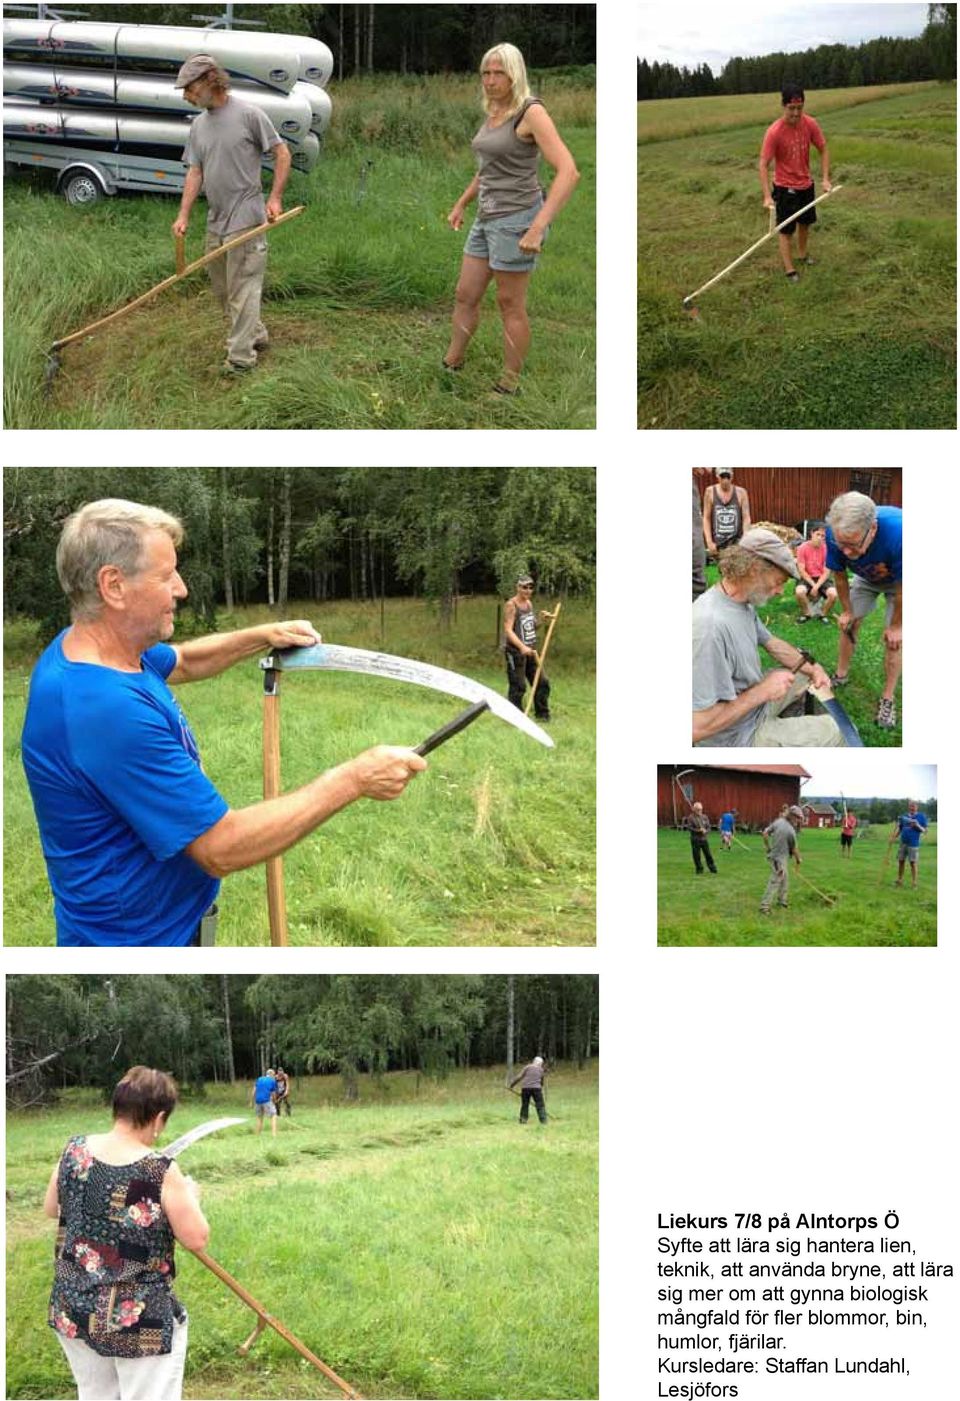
81,188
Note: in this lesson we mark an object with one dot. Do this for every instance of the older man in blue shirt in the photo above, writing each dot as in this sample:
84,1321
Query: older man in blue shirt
867,540
135,836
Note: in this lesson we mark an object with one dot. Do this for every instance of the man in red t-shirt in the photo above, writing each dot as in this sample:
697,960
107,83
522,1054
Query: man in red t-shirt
787,142
815,586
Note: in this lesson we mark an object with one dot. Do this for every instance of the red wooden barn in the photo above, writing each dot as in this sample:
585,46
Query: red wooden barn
820,815
791,495
757,791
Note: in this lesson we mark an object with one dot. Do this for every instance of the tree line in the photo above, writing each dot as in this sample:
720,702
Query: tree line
272,534
878,810
366,39
885,60
82,1030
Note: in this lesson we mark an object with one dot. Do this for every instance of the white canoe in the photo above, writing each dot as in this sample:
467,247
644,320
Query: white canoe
321,107
291,113
84,126
274,60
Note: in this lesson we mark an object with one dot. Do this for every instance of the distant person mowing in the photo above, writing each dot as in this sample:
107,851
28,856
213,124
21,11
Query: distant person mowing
847,830
911,827
520,650
867,540
728,825
263,1099
780,843
530,1081
787,143
282,1098
726,512
815,593
698,825
223,155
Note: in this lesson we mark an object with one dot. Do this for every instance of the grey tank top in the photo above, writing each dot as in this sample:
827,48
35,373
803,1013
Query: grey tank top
508,167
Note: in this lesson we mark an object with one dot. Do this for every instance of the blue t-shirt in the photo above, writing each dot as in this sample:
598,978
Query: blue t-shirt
726,822
118,790
883,562
908,834
263,1089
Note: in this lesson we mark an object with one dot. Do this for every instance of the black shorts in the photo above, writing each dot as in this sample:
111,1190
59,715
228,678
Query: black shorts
846,839
789,201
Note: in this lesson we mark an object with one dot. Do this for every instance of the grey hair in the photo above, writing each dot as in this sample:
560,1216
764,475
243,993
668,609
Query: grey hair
852,512
103,533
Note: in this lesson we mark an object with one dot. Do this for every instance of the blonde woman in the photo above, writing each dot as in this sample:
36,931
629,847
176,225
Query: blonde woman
513,212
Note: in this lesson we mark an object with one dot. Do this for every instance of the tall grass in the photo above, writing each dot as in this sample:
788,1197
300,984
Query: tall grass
420,1241
669,118
358,291
494,844
709,911
866,339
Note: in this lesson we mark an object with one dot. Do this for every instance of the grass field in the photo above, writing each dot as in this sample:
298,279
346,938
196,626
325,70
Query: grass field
859,697
709,911
494,845
357,298
867,339
421,1242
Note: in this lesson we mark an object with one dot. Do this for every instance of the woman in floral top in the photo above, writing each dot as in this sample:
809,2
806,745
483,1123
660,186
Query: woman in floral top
120,1205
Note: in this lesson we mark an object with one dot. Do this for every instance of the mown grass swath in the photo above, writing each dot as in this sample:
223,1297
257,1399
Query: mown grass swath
867,338
420,1241
709,910
358,293
496,843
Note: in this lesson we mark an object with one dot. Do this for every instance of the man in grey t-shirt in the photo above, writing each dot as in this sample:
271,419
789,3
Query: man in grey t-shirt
224,151
780,843
734,701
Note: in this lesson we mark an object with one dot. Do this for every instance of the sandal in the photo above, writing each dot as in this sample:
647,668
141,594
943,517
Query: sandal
886,716
506,390
793,276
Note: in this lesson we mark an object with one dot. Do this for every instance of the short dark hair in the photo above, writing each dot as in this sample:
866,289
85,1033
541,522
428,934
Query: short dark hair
817,525
790,93
142,1094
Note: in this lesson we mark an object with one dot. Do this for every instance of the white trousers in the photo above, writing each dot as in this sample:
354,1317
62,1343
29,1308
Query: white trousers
99,1378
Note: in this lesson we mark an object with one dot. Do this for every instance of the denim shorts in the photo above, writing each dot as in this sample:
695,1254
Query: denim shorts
496,241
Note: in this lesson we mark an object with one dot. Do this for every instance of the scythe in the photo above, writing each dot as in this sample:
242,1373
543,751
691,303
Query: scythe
264,1319
327,657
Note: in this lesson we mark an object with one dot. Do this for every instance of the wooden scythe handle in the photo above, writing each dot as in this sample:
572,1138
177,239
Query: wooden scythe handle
541,659
169,281
267,1320
276,898
180,253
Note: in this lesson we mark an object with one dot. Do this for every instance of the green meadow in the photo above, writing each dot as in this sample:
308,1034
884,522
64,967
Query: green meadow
867,338
421,1242
493,844
358,293
708,911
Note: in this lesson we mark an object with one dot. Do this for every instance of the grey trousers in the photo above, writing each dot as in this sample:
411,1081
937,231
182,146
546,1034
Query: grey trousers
237,282
776,885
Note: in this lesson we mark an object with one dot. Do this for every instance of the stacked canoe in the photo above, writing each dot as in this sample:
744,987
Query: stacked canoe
110,86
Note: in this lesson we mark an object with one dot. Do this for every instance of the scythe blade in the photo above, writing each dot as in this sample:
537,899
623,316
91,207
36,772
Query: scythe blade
324,656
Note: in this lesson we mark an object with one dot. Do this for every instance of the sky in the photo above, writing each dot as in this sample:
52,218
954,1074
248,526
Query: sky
867,773
688,33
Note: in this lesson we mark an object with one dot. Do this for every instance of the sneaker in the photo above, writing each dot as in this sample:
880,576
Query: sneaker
837,680
825,620
230,368
807,261
804,618
886,716
793,276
